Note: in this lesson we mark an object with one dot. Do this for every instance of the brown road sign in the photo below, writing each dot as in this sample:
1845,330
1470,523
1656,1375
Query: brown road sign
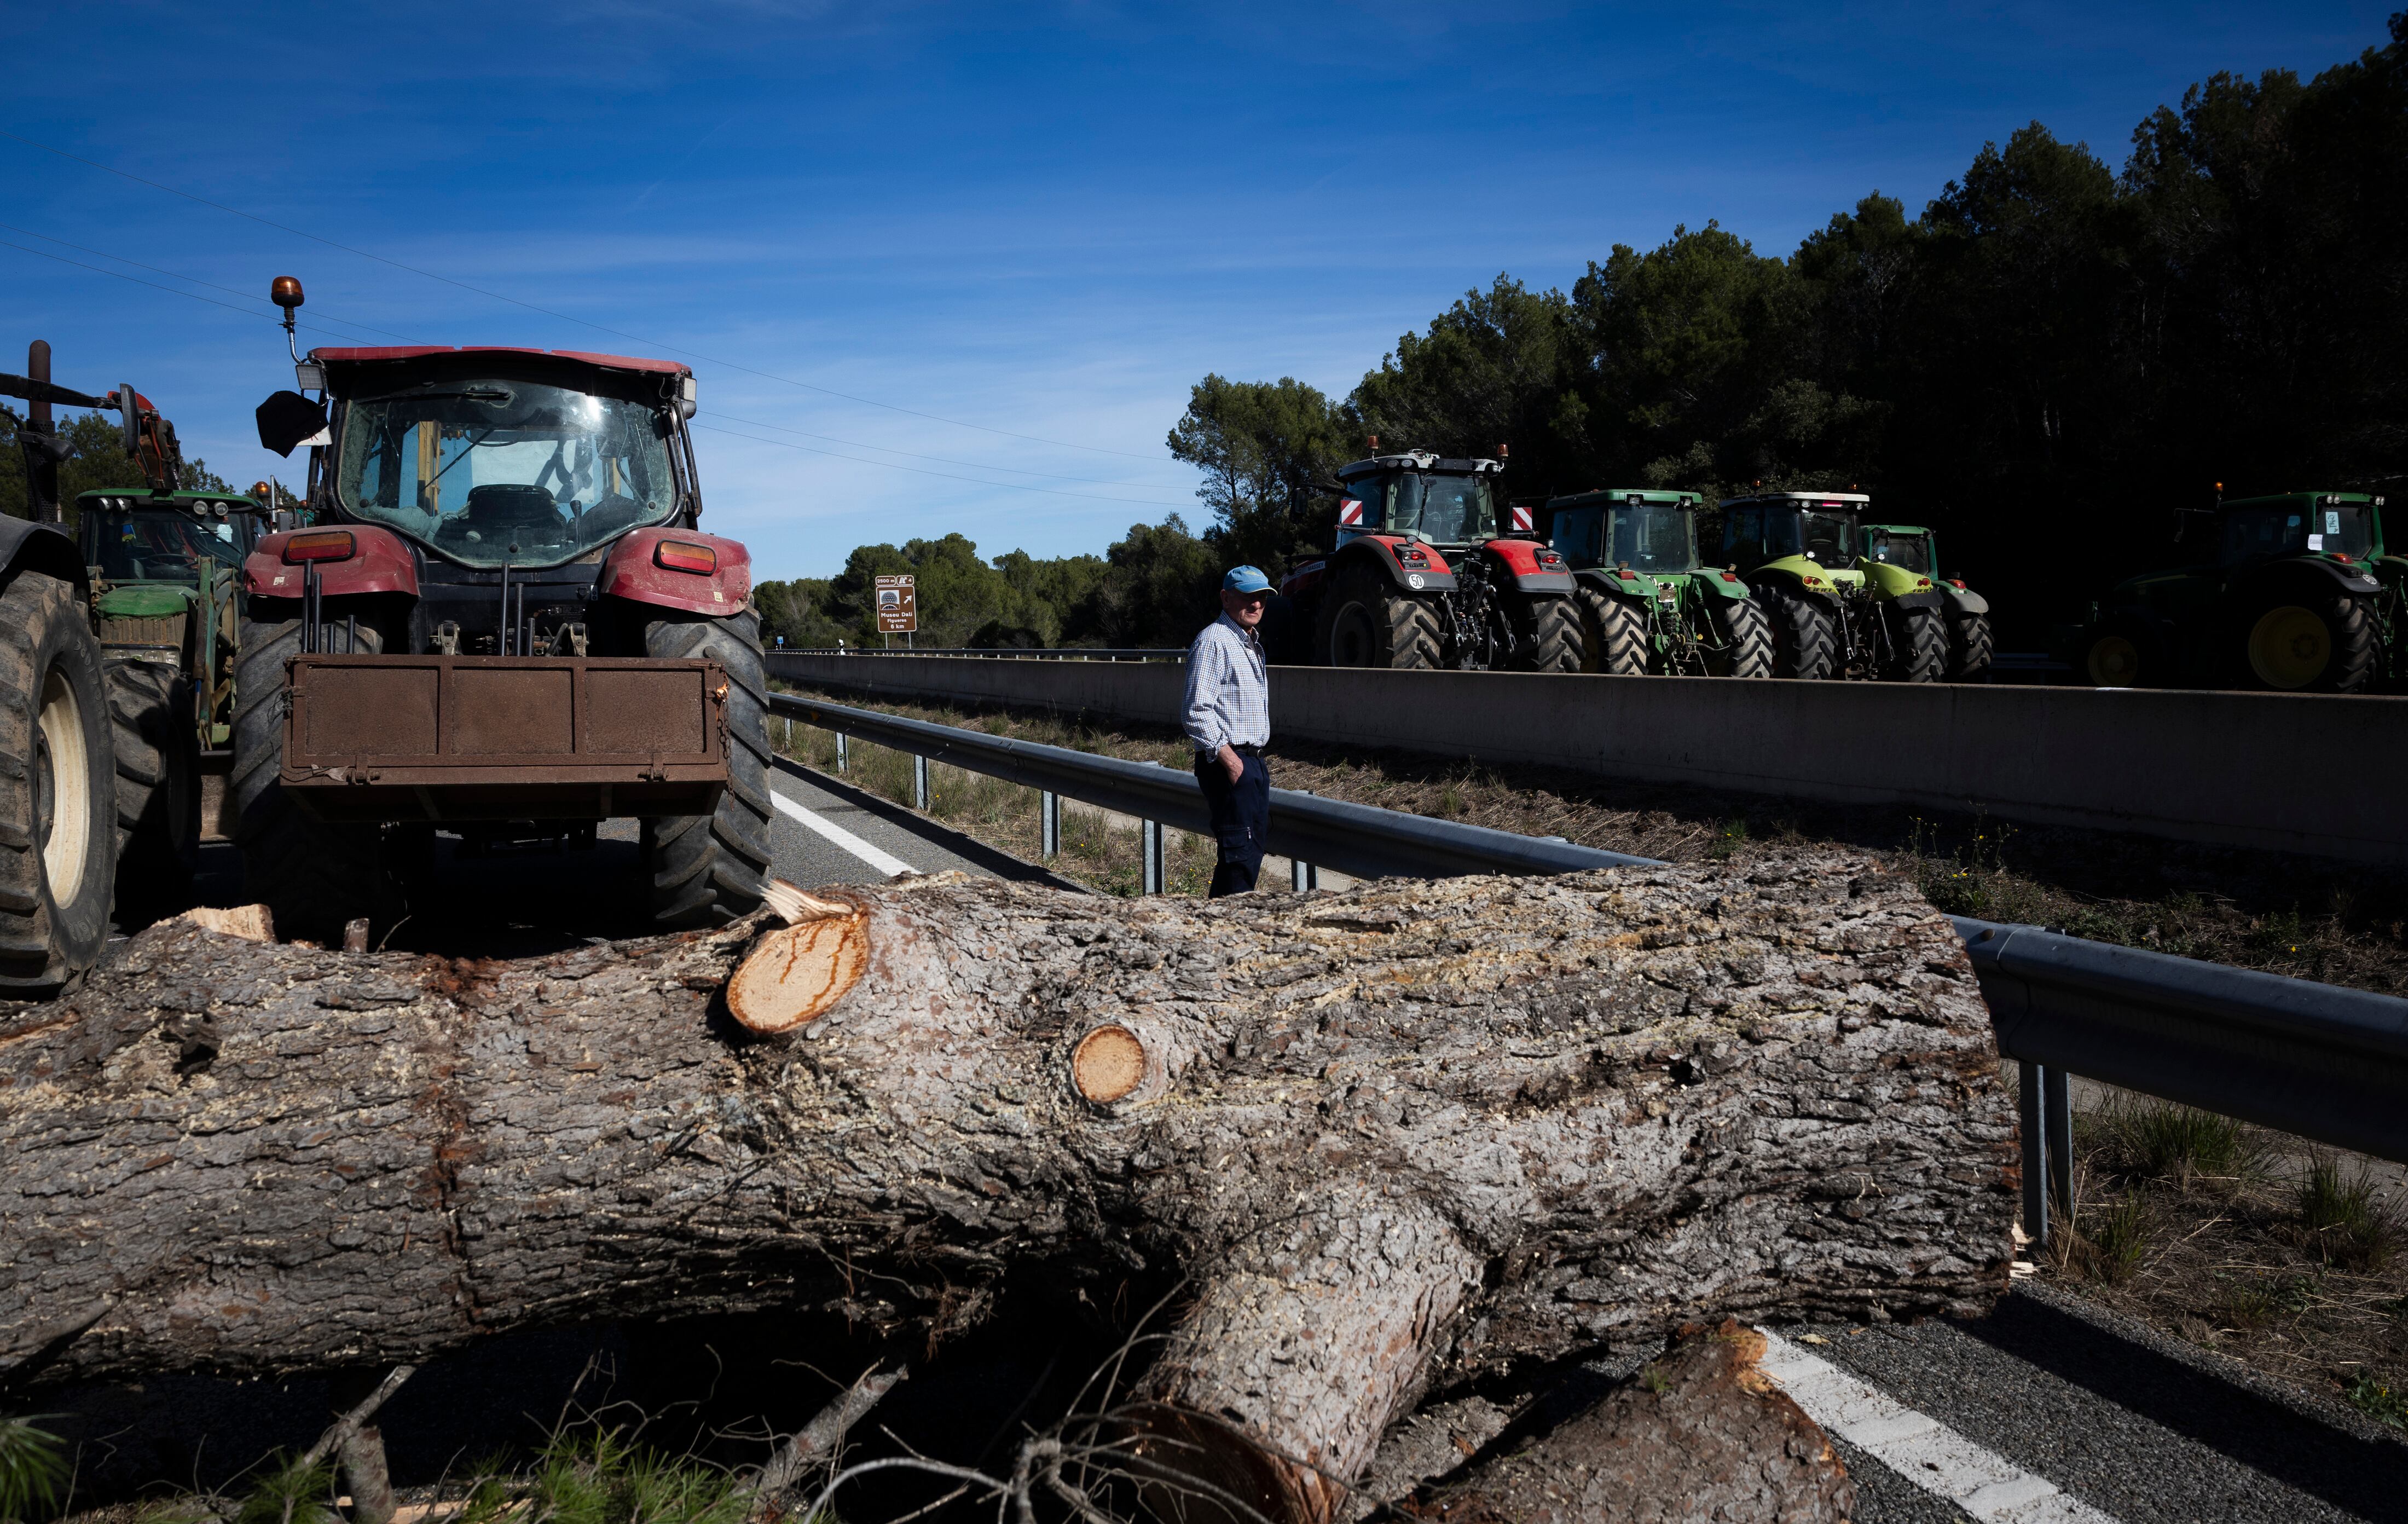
899,605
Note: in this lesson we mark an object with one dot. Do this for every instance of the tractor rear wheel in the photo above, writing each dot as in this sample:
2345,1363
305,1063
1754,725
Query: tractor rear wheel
707,869
1552,628
58,827
1367,623
1921,653
1746,638
158,755
1805,641
1969,647
1613,637
314,878
2322,642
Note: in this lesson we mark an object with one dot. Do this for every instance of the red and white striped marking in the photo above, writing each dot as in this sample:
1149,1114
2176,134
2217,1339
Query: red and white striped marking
1350,510
1521,517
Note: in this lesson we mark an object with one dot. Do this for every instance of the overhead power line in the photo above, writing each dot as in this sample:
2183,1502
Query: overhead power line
187,296
190,279
564,317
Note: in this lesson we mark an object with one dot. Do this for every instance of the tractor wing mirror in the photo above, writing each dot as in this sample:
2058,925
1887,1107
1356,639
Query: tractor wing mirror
287,419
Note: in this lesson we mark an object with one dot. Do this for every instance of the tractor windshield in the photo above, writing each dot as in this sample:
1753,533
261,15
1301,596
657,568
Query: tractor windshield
2287,528
1823,537
164,545
1902,549
1652,537
496,472
1444,509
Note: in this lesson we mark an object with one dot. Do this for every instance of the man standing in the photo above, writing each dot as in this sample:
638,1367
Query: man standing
1229,719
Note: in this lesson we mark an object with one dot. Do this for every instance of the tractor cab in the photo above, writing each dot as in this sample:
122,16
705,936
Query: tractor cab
1650,532
176,537
1445,502
2346,527
1905,546
1820,527
166,570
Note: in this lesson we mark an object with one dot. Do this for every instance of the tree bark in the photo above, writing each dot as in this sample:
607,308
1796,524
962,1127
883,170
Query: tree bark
1395,1137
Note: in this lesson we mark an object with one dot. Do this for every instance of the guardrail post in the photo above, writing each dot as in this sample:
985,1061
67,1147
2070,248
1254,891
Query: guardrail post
839,750
2029,1096
920,783
790,734
2044,1097
1302,875
1152,830
2057,1123
1049,825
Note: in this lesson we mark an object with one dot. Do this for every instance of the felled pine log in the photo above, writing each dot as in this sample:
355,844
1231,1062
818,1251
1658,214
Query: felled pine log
1395,1137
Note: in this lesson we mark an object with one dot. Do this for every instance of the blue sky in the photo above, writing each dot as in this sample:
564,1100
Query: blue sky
948,248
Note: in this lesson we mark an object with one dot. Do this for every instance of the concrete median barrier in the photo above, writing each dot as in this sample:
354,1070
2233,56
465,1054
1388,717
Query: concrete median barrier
2283,772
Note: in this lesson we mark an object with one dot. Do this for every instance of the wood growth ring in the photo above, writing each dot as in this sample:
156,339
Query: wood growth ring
795,973
1107,1064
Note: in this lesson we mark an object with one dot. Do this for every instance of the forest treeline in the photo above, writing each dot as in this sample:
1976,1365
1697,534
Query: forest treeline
2043,363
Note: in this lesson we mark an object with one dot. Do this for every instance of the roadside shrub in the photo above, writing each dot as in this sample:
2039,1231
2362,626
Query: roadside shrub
2118,1238
30,1467
2343,1221
2159,1140
2377,1399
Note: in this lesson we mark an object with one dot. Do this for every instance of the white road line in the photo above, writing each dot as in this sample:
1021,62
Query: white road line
890,866
1918,1447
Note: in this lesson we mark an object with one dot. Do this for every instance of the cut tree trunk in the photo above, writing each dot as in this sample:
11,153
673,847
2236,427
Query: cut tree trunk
1395,1137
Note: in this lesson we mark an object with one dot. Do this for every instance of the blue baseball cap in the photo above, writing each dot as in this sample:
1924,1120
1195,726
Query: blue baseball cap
1245,580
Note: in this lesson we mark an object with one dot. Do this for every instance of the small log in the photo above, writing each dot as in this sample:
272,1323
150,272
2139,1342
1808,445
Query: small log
250,922
1393,1138
1699,1436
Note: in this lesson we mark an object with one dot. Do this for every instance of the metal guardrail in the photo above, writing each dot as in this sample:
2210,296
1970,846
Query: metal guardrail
2320,1062
1357,838
1047,654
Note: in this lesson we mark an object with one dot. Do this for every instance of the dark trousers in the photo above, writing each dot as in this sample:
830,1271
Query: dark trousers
1241,819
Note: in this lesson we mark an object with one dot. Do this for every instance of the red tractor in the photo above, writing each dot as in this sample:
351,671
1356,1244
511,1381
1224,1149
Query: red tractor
1421,578
498,620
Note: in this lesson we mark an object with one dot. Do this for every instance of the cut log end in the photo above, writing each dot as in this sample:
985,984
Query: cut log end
1108,1064
795,974
252,923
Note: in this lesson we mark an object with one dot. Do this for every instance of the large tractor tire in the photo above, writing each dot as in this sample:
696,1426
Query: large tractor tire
1746,638
1921,654
1365,621
1614,637
2311,643
1805,633
57,816
1969,647
1551,626
313,877
707,869
158,755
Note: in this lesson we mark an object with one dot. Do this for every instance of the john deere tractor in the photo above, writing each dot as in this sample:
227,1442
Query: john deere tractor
1646,603
2297,595
1421,577
1833,614
166,570
1913,548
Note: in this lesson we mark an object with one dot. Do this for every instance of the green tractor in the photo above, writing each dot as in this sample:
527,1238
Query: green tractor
1833,614
1646,603
166,573
1910,547
2300,596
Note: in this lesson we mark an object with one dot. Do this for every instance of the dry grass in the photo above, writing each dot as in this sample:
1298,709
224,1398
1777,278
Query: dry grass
2247,1243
